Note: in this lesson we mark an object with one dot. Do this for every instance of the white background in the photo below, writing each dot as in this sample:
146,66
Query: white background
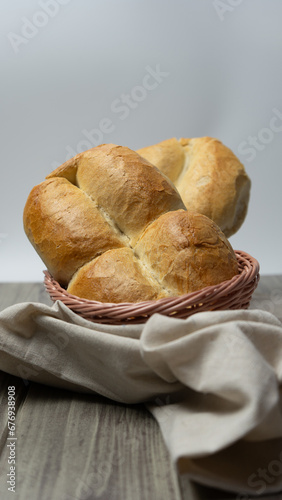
62,79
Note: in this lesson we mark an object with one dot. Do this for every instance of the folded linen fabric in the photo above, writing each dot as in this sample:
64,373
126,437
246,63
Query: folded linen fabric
212,381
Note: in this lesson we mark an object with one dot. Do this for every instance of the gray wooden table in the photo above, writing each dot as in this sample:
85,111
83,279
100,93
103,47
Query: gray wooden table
81,447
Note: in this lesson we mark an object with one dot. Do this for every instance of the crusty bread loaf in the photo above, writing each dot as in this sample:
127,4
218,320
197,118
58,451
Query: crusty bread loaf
209,177
186,250
66,228
111,227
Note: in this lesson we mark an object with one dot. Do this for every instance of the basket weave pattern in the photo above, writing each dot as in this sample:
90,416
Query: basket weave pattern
232,294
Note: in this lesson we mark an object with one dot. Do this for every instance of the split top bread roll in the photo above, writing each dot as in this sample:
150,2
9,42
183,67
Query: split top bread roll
209,177
109,226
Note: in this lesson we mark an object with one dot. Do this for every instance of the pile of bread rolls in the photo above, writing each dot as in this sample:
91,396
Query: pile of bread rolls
115,225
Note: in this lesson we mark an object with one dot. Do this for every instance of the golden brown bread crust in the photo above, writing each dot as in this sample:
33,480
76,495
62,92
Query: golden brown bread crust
113,228
65,227
136,187
186,251
116,276
209,177
123,185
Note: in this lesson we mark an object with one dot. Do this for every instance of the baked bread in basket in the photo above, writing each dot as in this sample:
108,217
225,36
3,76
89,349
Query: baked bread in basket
209,177
110,227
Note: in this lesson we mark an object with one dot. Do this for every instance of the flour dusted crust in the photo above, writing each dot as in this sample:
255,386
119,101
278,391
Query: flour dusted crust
111,227
209,177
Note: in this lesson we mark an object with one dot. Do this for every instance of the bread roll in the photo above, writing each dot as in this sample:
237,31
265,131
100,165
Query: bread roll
186,250
66,228
116,276
209,177
111,227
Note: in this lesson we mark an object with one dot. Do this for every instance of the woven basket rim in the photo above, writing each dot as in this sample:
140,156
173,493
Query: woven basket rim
247,278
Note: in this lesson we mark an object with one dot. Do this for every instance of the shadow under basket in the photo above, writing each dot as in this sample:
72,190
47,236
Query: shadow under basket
232,294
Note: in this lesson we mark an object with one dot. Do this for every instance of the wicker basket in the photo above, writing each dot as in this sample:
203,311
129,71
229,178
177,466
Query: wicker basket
232,294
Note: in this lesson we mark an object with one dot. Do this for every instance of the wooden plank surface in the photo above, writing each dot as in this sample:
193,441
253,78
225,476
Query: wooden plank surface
73,446
76,447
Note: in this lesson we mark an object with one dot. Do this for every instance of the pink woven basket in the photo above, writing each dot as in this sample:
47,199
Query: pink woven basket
232,294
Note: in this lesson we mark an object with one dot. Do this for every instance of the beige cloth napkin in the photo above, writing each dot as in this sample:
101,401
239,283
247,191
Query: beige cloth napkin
213,381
